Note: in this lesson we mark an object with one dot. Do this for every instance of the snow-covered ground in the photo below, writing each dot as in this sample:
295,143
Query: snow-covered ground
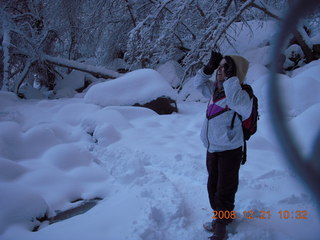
149,169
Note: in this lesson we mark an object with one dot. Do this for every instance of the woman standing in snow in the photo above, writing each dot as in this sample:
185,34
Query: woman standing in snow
223,142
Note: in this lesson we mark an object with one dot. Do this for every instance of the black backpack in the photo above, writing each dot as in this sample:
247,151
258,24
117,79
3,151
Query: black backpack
249,126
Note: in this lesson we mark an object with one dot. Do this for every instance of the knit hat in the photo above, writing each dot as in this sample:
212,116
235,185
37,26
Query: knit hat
242,66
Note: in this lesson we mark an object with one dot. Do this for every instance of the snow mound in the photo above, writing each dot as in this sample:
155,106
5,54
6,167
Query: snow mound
297,93
74,80
304,94
131,113
306,127
140,86
106,134
19,205
74,113
172,71
10,170
31,142
103,116
7,98
310,70
255,71
68,156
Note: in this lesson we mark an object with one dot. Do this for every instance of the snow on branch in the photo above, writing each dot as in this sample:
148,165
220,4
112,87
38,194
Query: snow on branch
150,18
177,16
129,7
137,51
95,70
266,9
213,34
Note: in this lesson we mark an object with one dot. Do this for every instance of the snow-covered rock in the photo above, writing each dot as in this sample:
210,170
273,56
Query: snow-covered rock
294,57
140,86
29,92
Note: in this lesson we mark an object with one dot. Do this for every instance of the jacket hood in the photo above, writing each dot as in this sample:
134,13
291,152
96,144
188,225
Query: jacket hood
242,66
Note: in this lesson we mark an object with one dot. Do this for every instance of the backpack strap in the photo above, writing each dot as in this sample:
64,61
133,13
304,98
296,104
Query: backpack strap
234,118
249,90
244,152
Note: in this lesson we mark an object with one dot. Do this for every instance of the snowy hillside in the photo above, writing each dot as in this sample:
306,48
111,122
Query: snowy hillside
148,169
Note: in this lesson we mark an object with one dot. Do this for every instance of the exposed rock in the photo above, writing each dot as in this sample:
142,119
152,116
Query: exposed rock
161,105
316,50
82,207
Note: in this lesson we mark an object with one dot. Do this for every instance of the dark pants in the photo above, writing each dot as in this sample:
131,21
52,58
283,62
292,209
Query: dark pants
223,169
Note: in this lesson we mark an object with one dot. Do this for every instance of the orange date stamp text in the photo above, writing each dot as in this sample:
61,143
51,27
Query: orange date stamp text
283,214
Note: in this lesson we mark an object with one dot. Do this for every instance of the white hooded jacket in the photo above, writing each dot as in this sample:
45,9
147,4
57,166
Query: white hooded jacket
217,134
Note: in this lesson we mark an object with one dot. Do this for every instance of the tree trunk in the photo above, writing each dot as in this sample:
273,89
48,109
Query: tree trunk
6,59
308,53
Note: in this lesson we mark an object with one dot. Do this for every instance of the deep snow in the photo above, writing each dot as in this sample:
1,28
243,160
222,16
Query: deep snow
148,168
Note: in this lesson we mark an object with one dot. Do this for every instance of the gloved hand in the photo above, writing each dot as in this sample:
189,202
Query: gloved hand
230,69
213,63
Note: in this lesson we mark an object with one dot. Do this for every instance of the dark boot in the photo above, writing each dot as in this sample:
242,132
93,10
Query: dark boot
220,232
210,226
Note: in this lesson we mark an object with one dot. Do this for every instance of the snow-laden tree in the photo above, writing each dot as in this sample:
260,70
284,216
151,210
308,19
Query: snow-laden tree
38,37
186,30
89,29
27,37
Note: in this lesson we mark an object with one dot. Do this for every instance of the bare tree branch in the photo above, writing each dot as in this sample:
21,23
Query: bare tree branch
266,11
129,7
213,35
23,75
